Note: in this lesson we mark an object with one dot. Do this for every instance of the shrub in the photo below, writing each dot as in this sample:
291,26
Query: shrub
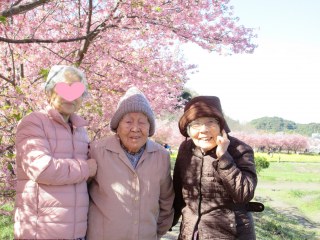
261,163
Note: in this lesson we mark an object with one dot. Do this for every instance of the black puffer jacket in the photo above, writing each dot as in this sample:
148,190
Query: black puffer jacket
208,190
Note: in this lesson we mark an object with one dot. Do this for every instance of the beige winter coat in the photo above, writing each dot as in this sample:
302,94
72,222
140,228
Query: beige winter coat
128,203
52,199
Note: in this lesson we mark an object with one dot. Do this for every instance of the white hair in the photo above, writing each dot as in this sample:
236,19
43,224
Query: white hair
57,74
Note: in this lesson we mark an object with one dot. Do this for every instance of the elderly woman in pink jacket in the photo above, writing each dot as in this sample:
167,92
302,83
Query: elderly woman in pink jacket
52,164
132,192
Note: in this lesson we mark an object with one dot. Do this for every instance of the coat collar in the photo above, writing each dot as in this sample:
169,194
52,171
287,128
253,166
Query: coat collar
114,146
198,153
76,120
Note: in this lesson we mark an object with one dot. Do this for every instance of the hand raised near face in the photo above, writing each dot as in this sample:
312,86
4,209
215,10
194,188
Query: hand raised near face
222,144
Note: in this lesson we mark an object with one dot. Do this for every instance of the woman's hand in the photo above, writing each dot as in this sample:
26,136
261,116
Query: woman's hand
222,144
92,164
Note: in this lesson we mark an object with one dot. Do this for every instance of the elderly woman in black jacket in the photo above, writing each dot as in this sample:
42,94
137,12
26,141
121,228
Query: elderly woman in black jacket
214,176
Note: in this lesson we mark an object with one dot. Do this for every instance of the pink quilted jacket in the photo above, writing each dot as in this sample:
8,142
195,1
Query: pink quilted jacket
52,198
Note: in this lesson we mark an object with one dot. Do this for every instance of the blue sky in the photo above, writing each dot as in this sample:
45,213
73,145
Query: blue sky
281,78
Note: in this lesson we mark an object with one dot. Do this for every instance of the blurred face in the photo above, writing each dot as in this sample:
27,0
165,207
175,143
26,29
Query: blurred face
204,131
64,107
133,131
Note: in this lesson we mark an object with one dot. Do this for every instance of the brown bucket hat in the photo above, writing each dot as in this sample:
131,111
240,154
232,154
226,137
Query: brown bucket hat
202,106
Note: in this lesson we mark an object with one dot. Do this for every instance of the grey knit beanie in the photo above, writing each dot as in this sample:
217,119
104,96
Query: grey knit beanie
133,101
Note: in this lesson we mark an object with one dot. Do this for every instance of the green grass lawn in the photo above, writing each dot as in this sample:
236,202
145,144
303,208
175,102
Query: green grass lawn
291,172
295,187
295,184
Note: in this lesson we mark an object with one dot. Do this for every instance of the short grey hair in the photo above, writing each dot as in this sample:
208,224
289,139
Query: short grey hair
57,74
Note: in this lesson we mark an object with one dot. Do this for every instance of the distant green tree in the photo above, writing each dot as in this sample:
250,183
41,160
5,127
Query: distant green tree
308,129
274,124
277,124
186,96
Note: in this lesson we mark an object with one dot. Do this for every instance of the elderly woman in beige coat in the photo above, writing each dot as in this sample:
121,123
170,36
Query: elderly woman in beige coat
132,192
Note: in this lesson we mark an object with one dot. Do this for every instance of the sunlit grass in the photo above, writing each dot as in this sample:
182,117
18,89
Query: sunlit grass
6,222
273,225
283,157
306,202
278,157
291,172
294,184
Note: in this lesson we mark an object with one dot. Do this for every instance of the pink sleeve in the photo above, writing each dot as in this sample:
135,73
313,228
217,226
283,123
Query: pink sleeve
34,155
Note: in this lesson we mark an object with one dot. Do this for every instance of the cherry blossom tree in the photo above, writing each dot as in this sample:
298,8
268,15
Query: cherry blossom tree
275,142
297,143
169,133
117,43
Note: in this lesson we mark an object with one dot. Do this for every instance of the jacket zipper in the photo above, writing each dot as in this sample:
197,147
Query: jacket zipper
74,188
200,200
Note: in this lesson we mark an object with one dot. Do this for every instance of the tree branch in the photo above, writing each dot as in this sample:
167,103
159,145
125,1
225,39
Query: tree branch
85,45
90,36
19,9
35,40
13,65
58,55
7,79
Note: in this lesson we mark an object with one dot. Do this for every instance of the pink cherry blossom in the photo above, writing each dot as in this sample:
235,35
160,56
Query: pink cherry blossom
117,44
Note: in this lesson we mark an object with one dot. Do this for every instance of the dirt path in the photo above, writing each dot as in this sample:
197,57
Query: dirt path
281,206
